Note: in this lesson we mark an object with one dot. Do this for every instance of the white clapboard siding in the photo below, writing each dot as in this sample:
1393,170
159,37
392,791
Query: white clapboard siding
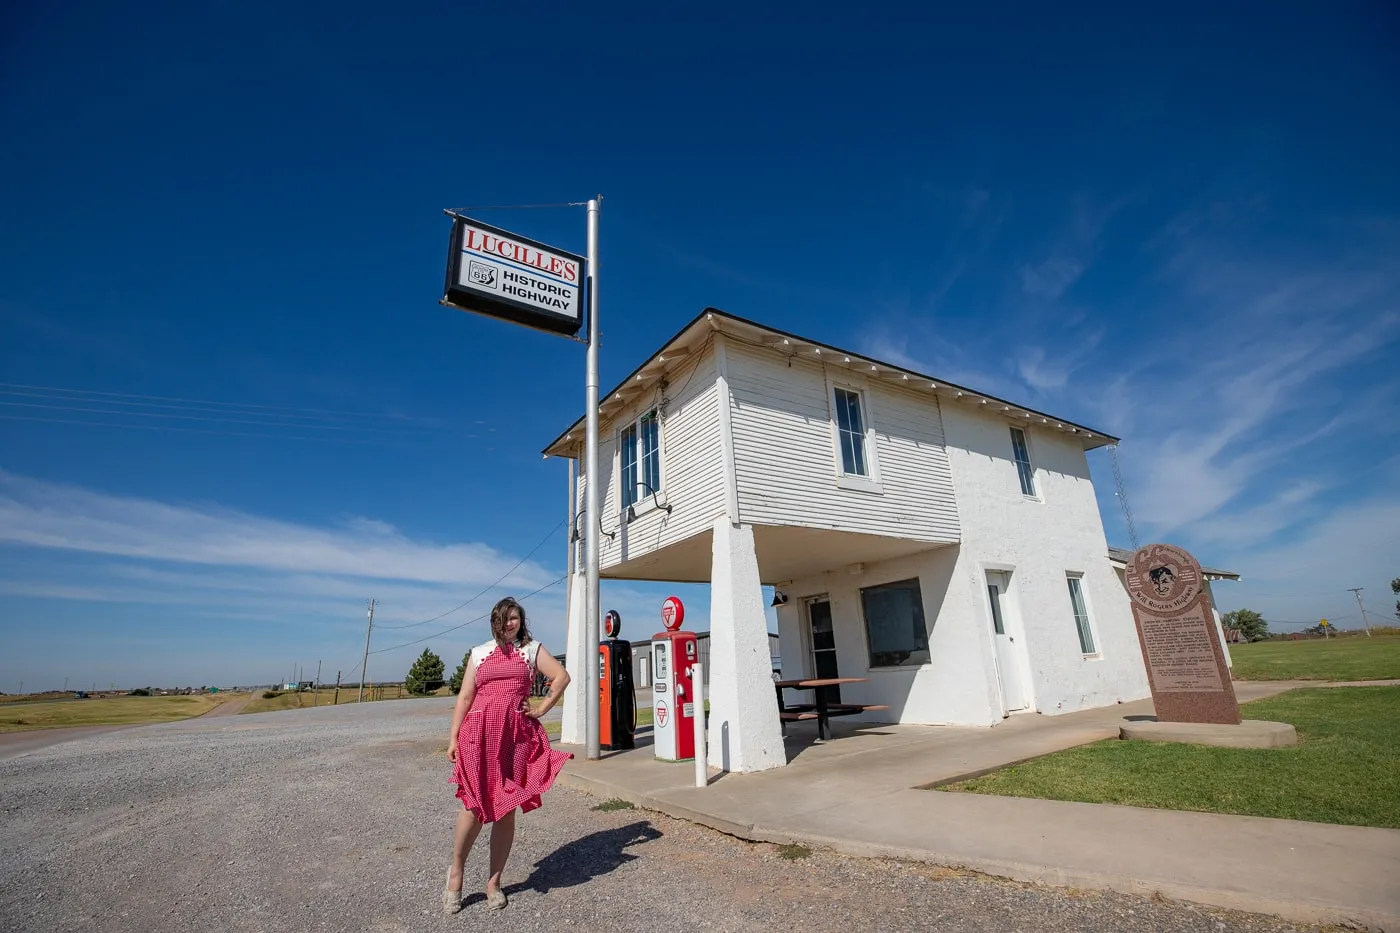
785,460
692,466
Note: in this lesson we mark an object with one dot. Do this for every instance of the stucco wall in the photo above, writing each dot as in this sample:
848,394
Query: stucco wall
955,687
1039,541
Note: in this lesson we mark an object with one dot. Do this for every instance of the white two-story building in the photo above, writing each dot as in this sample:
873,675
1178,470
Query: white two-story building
941,543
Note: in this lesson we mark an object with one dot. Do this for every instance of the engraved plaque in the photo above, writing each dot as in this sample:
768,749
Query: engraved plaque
1185,661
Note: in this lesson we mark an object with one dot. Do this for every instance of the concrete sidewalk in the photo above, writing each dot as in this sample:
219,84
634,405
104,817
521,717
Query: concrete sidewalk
860,793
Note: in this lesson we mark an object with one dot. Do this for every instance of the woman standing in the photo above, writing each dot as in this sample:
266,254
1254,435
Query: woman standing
500,754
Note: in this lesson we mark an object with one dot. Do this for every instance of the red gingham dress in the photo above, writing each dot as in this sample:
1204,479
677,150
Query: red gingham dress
503,756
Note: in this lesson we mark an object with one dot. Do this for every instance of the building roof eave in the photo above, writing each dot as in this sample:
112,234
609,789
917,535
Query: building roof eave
713,320
1119,557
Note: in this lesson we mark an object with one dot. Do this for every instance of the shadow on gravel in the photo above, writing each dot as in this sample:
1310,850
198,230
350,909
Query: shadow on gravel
582,860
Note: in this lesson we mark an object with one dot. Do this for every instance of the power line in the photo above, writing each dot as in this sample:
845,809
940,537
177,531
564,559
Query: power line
468,622
189,401
513,207
1253,592
228,409
261,422
186,430
490,587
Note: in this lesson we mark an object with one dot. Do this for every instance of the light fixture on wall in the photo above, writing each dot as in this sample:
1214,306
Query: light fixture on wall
575,534
779,598
632,509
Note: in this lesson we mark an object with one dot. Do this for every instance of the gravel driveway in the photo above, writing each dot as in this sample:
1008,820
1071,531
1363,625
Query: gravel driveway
339,819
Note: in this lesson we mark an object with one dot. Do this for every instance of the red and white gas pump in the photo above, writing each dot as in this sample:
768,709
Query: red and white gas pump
673,654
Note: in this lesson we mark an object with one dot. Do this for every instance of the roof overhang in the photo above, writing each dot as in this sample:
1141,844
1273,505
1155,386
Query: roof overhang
694,335
1119,557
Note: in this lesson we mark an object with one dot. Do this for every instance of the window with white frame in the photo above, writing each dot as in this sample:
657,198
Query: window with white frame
1081,614
1022,452
640,444
850,429
894,624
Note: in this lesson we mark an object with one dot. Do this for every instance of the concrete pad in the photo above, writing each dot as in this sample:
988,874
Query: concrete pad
858,793
1249,733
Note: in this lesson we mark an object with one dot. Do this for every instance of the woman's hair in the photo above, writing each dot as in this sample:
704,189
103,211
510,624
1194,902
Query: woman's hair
502,612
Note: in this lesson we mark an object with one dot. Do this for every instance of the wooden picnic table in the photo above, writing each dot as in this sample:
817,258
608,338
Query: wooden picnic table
821,710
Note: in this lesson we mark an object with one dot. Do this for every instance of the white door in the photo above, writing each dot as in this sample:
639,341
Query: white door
1014,695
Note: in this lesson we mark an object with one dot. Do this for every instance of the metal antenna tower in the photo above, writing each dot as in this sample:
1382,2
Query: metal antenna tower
1122,495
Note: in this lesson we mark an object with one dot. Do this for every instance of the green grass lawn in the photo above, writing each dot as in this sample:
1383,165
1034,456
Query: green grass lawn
1354,657
551,729
1345,768
327,696
108,711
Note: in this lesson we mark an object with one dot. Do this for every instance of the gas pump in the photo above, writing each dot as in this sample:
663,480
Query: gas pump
673,654
617,727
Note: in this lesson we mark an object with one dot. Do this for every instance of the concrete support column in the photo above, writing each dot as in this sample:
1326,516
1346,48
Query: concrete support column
744,733
574,729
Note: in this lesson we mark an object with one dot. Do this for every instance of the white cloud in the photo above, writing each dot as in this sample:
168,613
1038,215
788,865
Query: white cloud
210,576
1307,577
49,515
1051,278
1252,383
1073,251
1048,371
1202,436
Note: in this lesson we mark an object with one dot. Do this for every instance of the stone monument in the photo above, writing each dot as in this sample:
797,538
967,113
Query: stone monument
1191,688
1185,661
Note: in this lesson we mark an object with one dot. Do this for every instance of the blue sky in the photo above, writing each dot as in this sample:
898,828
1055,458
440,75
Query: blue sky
1182,229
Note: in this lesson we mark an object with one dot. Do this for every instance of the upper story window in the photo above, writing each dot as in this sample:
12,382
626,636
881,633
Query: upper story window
1022,452
641,459
850,427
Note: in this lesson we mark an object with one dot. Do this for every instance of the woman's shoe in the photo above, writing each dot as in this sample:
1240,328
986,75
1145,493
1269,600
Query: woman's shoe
495,899
451,901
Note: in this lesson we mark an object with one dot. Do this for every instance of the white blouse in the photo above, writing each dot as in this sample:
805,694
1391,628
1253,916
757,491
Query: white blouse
530,650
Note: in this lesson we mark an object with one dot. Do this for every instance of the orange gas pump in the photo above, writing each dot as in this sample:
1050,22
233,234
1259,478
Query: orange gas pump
617,726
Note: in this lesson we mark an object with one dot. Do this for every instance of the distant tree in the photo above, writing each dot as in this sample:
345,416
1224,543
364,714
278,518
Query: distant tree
1395,588
1247,622
456,682
425,675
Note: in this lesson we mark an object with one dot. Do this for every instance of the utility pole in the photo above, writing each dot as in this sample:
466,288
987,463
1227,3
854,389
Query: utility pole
335,700
316,691
365,663
592,505
1356,591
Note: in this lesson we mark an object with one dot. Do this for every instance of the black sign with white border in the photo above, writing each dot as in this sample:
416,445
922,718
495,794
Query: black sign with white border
494,272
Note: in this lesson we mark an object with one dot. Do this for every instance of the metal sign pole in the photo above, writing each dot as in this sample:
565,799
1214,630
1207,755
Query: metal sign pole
592,505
